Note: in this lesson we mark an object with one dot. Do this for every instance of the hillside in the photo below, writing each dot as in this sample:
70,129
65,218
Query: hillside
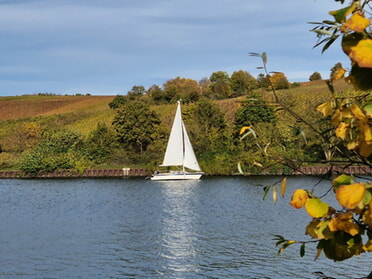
21,116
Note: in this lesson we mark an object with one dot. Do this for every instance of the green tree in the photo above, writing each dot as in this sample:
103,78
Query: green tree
220,85
136,124
118,101
100,143
136,91
57,150
263,81
242,83
252,111
156,94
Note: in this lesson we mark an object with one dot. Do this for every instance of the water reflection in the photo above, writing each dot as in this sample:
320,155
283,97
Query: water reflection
178,237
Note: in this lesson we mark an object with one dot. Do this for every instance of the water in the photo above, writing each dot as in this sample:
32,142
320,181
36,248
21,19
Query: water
135,228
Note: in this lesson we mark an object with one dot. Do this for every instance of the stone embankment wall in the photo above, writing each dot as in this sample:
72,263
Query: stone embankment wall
88,173
321,170
128,172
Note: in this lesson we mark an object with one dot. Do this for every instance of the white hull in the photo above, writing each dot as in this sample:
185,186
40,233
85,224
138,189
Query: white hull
176,176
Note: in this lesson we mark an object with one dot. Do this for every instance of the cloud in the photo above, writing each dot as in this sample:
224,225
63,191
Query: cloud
109,46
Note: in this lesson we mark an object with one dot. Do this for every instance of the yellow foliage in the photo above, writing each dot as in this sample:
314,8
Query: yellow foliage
283,186
365,149
358,113
316,208
362,53
242,130
368,246
319,229
344,222
299,198
343,130
339,73
367,215
325,108
349,196
357,22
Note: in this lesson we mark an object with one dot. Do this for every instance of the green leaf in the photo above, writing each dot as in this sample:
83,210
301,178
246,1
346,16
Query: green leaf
302,250
266,191
264,58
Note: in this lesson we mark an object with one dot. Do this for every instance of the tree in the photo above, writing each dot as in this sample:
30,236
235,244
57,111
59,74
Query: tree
263,81
279,81
252,111
118,101
345,231
220,85
136,91
100,143
242,83
182,88
57,150
136,124
315,76
156,93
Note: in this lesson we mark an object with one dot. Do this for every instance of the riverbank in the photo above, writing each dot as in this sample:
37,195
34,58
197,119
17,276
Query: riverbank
139,172
125,172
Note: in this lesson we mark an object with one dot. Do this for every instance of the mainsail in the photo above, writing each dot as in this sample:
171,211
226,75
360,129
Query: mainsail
179,151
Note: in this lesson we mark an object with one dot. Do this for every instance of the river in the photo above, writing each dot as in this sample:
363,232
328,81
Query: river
218,227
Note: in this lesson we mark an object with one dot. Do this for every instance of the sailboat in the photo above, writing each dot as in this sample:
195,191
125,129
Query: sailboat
179,153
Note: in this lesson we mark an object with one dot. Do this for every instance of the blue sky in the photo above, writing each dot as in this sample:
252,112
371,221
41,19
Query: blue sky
104,47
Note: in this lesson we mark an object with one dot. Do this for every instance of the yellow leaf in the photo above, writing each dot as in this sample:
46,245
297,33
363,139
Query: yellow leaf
342,131
365,131
357,22
283,186
344,222
325,108
365,149
362,53
319,229
368,246
349,196
339,73
299,198
275,194
353,145
245,128
367,215
316,208
358,113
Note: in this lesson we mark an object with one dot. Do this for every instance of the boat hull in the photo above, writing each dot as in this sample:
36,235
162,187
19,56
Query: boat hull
176,176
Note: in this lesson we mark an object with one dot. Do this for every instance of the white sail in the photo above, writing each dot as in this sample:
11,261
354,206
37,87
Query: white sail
190,158
179,150
174,152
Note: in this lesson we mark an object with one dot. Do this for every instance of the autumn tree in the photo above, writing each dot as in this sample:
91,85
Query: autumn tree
182,88
241,83
345,230
315,76
279,81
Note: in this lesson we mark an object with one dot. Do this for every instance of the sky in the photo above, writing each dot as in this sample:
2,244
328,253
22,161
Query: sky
105,47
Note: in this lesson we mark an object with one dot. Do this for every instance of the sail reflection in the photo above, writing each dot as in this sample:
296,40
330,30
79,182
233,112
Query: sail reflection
178,236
